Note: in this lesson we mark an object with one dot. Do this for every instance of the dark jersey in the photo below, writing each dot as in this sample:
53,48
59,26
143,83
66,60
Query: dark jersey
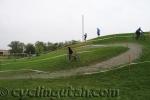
70,50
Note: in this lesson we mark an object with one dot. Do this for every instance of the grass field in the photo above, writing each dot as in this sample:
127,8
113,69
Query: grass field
133,84
57,60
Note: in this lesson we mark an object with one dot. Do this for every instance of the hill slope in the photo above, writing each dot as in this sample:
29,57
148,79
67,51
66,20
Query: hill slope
132,81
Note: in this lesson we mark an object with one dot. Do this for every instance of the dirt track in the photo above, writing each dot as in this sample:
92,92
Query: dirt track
132,54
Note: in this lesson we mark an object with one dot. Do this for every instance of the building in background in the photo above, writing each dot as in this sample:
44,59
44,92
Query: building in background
4,53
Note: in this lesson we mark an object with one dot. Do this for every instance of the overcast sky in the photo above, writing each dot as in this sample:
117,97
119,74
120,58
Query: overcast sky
59,20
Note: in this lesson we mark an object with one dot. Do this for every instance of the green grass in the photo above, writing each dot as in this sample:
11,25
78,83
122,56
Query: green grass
50,63
134,84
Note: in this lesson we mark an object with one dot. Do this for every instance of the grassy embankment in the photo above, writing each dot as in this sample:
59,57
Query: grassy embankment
133,84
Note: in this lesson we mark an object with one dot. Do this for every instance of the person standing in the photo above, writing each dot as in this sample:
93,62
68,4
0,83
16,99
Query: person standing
98,32
85,36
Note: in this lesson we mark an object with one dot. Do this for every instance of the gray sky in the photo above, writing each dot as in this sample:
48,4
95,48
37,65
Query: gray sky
59,20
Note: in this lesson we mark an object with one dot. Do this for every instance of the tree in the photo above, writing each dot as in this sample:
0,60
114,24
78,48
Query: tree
30,49
16,47
40,47
50,46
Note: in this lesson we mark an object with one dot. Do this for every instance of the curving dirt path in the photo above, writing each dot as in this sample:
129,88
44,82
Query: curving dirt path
127,57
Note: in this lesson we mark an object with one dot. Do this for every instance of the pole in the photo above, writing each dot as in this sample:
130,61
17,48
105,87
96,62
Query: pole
129,61
82,27
0,64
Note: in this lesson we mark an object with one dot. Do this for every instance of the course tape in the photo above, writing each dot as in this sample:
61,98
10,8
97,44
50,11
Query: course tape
106,70
44,59
79,52
114,68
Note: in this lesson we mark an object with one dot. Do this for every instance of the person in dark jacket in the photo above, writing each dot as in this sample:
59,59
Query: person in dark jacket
98,32
138,33
85,36
70,52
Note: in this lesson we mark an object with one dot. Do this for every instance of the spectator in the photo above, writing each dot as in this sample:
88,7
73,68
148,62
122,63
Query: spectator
98,32
85,36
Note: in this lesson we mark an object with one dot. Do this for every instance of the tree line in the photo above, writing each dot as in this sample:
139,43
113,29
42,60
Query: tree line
19,48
